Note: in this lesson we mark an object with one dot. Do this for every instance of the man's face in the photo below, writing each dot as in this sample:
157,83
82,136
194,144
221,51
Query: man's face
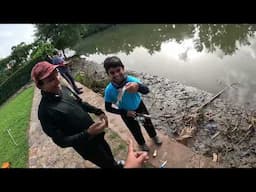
51,83
116,74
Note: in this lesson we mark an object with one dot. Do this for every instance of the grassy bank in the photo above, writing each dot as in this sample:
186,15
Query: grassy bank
14,116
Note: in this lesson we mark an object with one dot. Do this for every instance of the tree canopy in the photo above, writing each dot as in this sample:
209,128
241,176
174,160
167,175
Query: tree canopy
60,35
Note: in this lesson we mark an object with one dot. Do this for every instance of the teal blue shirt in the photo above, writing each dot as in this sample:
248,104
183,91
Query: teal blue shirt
129,102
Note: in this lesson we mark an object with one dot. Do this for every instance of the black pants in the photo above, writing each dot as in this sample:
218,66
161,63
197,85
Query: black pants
98,152
66,75
134,126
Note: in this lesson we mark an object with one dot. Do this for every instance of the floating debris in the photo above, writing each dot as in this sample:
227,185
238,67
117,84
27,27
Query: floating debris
186,133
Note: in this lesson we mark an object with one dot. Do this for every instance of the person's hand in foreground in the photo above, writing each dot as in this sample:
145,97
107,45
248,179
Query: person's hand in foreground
97,128
135,159
104,117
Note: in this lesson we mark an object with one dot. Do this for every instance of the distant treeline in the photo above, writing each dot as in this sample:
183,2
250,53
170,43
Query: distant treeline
15,69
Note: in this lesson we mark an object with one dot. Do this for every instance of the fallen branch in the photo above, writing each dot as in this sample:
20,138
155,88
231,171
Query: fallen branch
249,131
215,135
213,98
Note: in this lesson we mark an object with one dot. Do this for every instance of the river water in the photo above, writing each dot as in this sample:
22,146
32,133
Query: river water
206,56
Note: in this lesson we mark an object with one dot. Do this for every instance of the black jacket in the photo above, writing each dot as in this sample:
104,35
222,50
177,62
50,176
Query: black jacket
65,119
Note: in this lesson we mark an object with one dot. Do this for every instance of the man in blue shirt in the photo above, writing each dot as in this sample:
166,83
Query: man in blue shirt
124,91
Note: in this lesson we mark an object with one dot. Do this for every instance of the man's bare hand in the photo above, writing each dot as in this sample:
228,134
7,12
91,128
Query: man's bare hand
131,114
135,159
132,87
97,128
104,117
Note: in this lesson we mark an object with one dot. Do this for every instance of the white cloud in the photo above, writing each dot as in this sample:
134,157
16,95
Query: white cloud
13,34
4,34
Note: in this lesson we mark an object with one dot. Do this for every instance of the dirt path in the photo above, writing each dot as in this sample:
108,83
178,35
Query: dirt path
43,153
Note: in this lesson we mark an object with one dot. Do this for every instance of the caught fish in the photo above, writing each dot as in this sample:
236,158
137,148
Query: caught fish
120,94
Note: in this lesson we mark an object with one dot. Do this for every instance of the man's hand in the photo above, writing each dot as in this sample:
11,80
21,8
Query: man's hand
131,114
132,87
135,159
104,117
97,128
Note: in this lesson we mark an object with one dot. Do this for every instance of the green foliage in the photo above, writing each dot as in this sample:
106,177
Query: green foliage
16,80
15,69
3,68
89,29
41,49
67,35
126,38
3,63
223,36
15,115
21,76
20,53
60,35
208,37
19,56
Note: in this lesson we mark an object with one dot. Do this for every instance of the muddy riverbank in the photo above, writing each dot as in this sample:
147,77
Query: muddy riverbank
222,129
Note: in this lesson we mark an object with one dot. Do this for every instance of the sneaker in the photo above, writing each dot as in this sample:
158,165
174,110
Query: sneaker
144,147
157,140
121,163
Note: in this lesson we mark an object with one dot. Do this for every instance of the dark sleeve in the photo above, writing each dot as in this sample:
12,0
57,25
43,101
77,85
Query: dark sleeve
109,108
91,109
50,128
143,89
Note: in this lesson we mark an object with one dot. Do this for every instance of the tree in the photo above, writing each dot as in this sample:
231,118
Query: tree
41,49
89,29
20,52
60,35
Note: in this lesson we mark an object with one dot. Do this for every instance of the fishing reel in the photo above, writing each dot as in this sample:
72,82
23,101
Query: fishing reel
140,117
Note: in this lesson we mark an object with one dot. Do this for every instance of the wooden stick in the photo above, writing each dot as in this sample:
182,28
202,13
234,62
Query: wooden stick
8,130
213,98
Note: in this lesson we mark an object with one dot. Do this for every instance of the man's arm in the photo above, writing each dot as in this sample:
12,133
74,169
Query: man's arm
67,141
133,87
58,137
109,108
143,88
137,86
91,109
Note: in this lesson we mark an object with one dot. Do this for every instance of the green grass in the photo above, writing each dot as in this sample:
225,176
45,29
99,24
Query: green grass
15,115
112,135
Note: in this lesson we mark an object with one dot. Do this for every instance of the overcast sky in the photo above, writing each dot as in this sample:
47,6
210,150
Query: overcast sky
13,34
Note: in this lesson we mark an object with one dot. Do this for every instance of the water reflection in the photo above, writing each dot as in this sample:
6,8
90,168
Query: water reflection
226,37
127,37
223,36
201,55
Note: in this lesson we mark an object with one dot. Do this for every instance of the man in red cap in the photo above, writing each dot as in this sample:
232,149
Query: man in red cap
64,117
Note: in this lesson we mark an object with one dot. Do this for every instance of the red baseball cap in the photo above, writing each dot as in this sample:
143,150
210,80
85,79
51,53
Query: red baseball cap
42,70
